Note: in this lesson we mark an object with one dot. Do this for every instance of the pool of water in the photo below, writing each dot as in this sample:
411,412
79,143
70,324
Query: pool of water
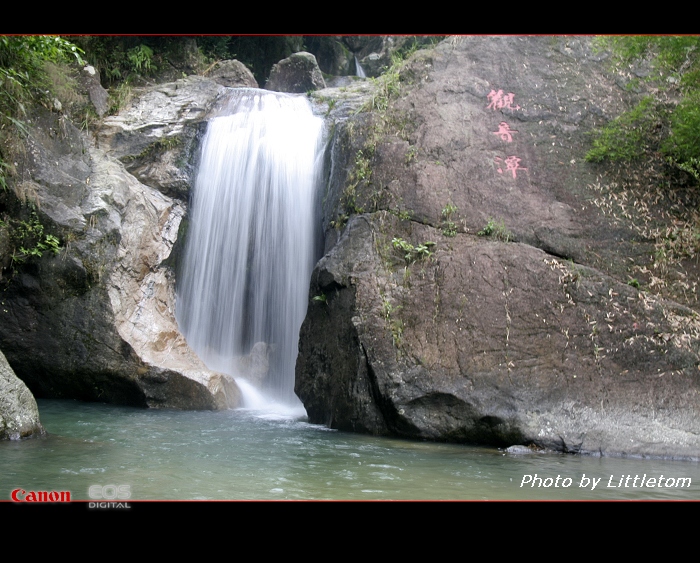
243,454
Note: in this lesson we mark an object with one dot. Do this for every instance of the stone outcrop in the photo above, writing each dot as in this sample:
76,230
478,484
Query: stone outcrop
297,74
19,415
96,321
99,97
470,290
232,74
375,52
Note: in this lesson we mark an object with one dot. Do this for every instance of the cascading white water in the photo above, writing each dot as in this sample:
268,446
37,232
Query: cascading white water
359,70
250,245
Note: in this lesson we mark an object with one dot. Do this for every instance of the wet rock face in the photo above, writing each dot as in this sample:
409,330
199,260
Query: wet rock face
517,326
19,415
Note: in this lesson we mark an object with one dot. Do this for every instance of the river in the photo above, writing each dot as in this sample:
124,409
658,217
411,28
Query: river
245,455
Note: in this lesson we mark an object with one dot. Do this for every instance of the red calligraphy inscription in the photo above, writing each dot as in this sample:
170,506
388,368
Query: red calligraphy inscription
499,100
512,164
505,132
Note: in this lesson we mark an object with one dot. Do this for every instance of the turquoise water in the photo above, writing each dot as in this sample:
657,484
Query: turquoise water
227,455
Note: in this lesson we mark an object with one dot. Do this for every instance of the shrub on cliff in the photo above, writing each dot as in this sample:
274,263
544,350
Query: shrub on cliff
23,79
667,120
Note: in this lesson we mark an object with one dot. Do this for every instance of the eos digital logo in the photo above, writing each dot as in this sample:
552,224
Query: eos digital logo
110,492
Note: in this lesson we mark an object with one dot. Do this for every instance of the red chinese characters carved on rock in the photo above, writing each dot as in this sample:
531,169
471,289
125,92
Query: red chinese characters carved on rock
512,165
505,132
499,100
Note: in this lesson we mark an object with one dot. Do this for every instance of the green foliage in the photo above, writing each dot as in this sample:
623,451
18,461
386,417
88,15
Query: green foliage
402,214
412,253
330,102
667,121
140,58
411,154
669,56
683,144
385,121
449,227
691,166
388,85
32,241
22,74
497,230
396,325
23,56
123,58
23,78
340,222
3,172
361,172
119,97
626,137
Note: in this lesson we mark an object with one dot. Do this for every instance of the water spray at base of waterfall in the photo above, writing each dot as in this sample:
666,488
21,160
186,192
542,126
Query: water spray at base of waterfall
254,400
251,243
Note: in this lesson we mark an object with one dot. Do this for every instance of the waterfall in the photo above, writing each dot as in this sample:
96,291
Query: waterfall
359,70
250,248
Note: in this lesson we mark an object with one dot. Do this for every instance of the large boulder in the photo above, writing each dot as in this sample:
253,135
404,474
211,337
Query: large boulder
19,415
517,326
297,74
232,74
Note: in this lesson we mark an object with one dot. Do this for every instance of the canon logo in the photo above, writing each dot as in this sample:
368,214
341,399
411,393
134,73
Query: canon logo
20,495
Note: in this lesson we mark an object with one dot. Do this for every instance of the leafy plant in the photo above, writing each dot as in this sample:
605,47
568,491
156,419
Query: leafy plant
395,325
33,242
449,227
361,172
339,222
497,230
141,58
412,253
402,214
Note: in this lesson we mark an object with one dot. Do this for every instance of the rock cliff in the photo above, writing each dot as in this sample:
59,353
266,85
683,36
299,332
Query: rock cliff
472,289
95,321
